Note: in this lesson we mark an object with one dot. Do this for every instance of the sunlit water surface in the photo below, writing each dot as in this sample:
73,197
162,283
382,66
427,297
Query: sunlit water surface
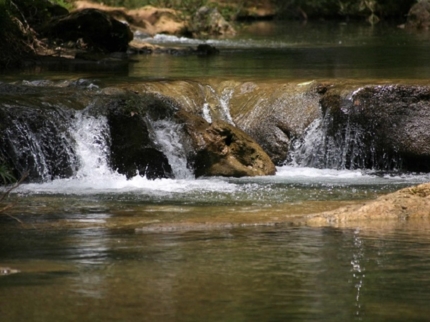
220,250
98,247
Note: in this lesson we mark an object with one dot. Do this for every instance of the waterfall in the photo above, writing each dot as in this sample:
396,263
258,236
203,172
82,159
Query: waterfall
224,102
37,140
344,144
217,106
319,148
166,136
91,135
207,113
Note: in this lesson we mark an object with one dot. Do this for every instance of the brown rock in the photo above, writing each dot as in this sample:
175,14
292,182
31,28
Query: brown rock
209,22
224,150
96,28
148,20
419,16
408,203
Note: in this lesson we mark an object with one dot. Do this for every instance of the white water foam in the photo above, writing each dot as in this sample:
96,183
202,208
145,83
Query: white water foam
162,39
167,137
225,105
91,135
207,113
355,177
95,176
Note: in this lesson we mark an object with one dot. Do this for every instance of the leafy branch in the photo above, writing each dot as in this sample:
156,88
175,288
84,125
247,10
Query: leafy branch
8,191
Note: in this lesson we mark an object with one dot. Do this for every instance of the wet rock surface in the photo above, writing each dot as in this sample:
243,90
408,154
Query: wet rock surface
132,150
224,150
33,134
275,115
387,124
227,129
405,204
419,16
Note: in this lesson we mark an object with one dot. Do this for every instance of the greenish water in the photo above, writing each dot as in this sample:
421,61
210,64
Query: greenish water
301,51
244,274
267,50
98,247
106,249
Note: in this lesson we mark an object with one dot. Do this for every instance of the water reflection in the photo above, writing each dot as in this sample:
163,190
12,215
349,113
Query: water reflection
296,51
357,269
258,274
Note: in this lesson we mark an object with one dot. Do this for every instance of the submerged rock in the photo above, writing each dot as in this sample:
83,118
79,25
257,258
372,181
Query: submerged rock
405,204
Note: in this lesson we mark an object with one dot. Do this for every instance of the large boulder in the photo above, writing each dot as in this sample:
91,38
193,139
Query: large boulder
419,16
39,13
220,149
95,28
382,126
34,138
208,22
132,148
274,115
147,20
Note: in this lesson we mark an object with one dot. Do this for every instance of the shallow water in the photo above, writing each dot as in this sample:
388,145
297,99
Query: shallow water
106,249
98,247
242,274
298,51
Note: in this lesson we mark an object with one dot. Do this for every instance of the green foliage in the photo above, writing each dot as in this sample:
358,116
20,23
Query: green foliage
6,175
184,5
139,3
64,3
339,8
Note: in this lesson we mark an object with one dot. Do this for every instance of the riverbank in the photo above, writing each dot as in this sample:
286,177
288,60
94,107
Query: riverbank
38,32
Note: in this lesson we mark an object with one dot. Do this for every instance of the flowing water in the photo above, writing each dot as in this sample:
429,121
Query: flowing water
98,247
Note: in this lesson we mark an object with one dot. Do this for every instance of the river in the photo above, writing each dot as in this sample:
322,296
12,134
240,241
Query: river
99,247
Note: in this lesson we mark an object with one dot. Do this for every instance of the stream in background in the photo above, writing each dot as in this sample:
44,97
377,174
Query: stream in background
98,247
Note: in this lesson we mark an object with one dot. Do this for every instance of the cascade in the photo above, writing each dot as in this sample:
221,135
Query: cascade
166,136
319,149
37,140
221,102
334,144
224,102
206,113
92,136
